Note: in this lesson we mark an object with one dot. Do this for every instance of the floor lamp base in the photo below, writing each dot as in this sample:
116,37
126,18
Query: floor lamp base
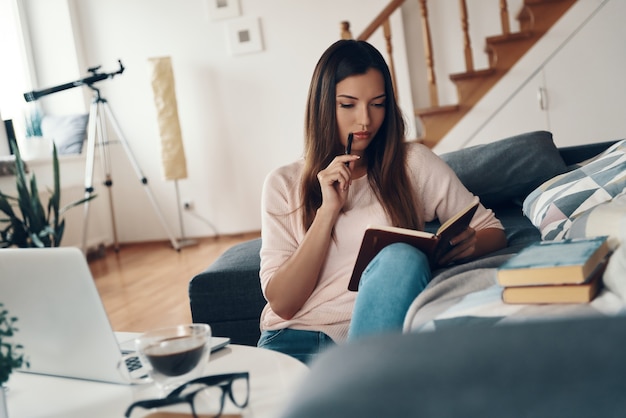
182,241
186,242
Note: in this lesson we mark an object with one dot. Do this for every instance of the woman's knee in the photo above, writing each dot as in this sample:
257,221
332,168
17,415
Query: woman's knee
399,261
400,256
401,251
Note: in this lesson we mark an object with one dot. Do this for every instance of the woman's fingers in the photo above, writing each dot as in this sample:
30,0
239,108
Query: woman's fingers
462,246
335,181
337,172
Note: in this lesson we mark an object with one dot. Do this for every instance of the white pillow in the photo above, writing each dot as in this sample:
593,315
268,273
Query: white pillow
68,132
609,219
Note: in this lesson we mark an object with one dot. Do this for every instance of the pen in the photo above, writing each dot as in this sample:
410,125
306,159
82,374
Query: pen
349,146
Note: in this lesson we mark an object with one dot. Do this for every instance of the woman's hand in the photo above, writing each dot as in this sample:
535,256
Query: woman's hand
335,182
463,246
472,244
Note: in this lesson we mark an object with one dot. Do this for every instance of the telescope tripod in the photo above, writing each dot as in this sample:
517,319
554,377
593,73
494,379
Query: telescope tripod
97,135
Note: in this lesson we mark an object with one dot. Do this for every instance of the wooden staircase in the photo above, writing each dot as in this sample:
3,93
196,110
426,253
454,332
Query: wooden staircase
503,51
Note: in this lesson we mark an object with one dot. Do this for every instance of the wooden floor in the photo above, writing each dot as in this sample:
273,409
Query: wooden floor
144,286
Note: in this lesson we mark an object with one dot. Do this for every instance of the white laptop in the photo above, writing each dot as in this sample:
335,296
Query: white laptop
62,323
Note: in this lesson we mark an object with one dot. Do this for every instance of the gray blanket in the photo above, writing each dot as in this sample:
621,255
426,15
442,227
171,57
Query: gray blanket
468,294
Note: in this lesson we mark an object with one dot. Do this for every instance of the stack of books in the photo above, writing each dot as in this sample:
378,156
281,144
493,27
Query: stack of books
567,271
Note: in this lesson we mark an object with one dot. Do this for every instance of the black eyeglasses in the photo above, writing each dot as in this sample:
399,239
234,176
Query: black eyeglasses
200,393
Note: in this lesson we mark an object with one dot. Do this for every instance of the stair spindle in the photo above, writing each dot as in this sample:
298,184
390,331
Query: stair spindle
467,43
387,35
504,17
345,30
428,55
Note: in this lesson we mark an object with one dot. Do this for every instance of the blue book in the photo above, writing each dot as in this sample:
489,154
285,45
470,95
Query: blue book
569,261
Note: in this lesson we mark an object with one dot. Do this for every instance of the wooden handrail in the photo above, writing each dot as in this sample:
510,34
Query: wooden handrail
380,19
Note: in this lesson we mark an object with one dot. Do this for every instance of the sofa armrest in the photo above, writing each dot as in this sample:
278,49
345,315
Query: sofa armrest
227,295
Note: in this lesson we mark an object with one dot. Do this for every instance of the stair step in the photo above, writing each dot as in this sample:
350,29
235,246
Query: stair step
472,74
510,37
435,110
540,12
531,2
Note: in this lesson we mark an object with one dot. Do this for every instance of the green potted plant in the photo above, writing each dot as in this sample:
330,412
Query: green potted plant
11,354
33,225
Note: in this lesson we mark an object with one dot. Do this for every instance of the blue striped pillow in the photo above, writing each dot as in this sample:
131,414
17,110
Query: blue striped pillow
553,206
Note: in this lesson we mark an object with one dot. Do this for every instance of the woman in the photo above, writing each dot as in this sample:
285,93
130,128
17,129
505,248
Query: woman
315,211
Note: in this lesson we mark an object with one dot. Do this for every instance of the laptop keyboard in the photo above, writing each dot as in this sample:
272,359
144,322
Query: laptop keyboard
133,363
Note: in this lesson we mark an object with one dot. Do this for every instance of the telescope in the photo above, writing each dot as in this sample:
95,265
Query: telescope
87,81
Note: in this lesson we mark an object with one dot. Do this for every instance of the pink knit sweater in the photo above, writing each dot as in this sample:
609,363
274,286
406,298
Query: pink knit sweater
329,308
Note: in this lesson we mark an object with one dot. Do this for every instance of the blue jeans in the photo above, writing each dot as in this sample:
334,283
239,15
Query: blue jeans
388,286
300,344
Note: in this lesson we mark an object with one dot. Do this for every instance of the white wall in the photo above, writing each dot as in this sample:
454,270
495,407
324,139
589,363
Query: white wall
241,116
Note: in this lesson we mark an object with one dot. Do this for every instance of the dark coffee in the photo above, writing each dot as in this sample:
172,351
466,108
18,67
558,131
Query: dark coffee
173,357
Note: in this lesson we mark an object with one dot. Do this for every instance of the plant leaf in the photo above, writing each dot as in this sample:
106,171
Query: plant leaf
39,226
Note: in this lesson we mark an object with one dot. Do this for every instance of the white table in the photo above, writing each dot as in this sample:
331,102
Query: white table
273,378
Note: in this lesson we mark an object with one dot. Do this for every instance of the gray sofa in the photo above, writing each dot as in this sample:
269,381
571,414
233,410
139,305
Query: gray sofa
572,368
227,294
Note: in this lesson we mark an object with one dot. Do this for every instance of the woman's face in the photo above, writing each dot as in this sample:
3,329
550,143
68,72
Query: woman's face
360,108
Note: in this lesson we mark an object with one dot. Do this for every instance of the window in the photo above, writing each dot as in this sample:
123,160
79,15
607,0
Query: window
14,73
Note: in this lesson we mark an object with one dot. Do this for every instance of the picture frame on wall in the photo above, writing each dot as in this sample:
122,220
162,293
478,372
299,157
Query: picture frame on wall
244,35
223,9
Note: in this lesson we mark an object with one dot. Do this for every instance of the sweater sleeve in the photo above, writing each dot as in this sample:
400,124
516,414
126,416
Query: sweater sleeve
281,229
441,192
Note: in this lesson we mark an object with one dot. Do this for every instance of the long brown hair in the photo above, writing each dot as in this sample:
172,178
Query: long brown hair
386,154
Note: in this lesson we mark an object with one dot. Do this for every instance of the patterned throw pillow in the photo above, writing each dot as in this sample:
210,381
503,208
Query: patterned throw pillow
554,205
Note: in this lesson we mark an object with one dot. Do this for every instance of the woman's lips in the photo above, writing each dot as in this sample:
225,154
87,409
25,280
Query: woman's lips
361,135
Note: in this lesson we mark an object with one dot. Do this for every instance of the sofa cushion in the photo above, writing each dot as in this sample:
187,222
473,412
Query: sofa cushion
504,170
554,205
